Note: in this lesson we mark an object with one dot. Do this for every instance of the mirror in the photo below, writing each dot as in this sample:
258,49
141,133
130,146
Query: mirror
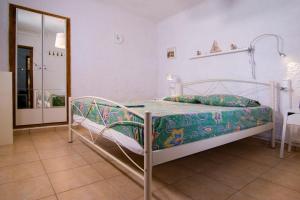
54,62
39,59
29,57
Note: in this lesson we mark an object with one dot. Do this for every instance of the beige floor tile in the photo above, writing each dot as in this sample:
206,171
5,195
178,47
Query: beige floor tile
28,189
21,172
69,179
16,148
48,144
91,157
237,173
294,158
127,188
52,197
18,158
65,136
201,187
80,148
169,193
196,163
105,169
241,196
61,128
290,166
22,143
56,152
216,155
257,153
265,190
63,163
284,178
170,173
42,130
97,191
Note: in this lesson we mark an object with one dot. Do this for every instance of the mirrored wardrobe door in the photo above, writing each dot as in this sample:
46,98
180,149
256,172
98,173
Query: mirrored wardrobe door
28,71
54,69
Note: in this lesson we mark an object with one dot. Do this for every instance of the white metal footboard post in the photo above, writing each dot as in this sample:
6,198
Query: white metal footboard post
274,107
147,156
70,120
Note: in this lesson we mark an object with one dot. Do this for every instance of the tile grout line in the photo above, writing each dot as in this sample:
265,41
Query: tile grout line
258,177
43,166
98,181
87,164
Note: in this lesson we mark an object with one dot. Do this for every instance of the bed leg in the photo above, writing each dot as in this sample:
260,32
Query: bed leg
148,156
273,137
70,120
274,90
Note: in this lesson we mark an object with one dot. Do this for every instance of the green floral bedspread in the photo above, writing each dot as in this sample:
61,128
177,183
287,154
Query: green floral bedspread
177,123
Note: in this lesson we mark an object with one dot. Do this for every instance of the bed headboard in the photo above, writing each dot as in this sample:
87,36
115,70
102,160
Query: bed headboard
265,93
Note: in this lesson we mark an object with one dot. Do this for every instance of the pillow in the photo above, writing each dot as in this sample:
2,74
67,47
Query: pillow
228,101
183,99
58,100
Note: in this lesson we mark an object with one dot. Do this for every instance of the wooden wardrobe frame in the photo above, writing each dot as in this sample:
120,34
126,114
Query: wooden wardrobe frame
12,59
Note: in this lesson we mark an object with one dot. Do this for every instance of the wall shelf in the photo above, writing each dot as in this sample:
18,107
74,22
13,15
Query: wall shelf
221,53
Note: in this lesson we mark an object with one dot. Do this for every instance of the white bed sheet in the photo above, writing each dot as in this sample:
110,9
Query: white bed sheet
110,134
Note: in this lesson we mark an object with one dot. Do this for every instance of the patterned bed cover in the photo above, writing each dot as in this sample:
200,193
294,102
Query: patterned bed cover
176,123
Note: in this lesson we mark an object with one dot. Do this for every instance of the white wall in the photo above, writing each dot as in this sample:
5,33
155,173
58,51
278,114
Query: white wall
4,35
228,21
99,66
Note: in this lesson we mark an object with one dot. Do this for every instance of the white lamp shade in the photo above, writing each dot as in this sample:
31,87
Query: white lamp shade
60,40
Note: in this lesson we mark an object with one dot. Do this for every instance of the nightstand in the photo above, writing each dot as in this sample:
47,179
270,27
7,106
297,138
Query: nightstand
291,117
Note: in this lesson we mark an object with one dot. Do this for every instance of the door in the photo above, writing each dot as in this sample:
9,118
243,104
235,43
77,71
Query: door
29,73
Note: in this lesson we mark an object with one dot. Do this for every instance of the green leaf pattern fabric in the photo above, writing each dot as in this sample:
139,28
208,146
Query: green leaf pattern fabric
228,100
177,123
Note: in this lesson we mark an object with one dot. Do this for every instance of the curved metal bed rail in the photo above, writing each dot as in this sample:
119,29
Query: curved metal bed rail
109,101
147,130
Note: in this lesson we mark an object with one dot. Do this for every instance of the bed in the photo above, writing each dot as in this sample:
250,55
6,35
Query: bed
162,130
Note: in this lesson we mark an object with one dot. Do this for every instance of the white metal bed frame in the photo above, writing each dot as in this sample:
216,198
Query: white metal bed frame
152,158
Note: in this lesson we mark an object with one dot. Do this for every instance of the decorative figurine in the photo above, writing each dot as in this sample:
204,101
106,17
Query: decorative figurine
233,46
215,47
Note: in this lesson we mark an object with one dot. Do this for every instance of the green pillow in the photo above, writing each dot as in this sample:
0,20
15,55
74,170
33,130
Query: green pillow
58,100
183,99
228,101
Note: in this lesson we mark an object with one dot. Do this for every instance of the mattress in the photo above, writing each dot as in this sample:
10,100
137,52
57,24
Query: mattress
173,123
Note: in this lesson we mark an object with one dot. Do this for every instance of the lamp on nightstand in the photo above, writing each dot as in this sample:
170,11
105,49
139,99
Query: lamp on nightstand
175,87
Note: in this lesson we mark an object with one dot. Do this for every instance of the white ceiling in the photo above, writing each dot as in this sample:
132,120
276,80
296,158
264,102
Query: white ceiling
155,10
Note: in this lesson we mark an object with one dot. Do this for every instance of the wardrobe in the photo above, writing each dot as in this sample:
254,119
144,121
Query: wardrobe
39,53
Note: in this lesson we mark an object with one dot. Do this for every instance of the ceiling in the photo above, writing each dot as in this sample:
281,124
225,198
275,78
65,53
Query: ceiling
154,10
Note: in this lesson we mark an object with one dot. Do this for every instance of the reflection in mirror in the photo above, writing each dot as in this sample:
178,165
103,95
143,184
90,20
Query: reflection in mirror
29,45
25,76
54,62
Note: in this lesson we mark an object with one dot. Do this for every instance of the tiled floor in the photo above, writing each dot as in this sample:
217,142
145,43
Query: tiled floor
42,165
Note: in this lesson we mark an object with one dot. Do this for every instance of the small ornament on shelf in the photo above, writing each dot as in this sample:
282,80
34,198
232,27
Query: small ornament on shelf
233,46
198,53
215,47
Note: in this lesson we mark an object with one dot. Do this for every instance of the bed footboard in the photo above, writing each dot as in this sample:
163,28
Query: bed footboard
146,175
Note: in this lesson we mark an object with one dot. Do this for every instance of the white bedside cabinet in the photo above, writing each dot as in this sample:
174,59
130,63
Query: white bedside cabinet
291,117
6,118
